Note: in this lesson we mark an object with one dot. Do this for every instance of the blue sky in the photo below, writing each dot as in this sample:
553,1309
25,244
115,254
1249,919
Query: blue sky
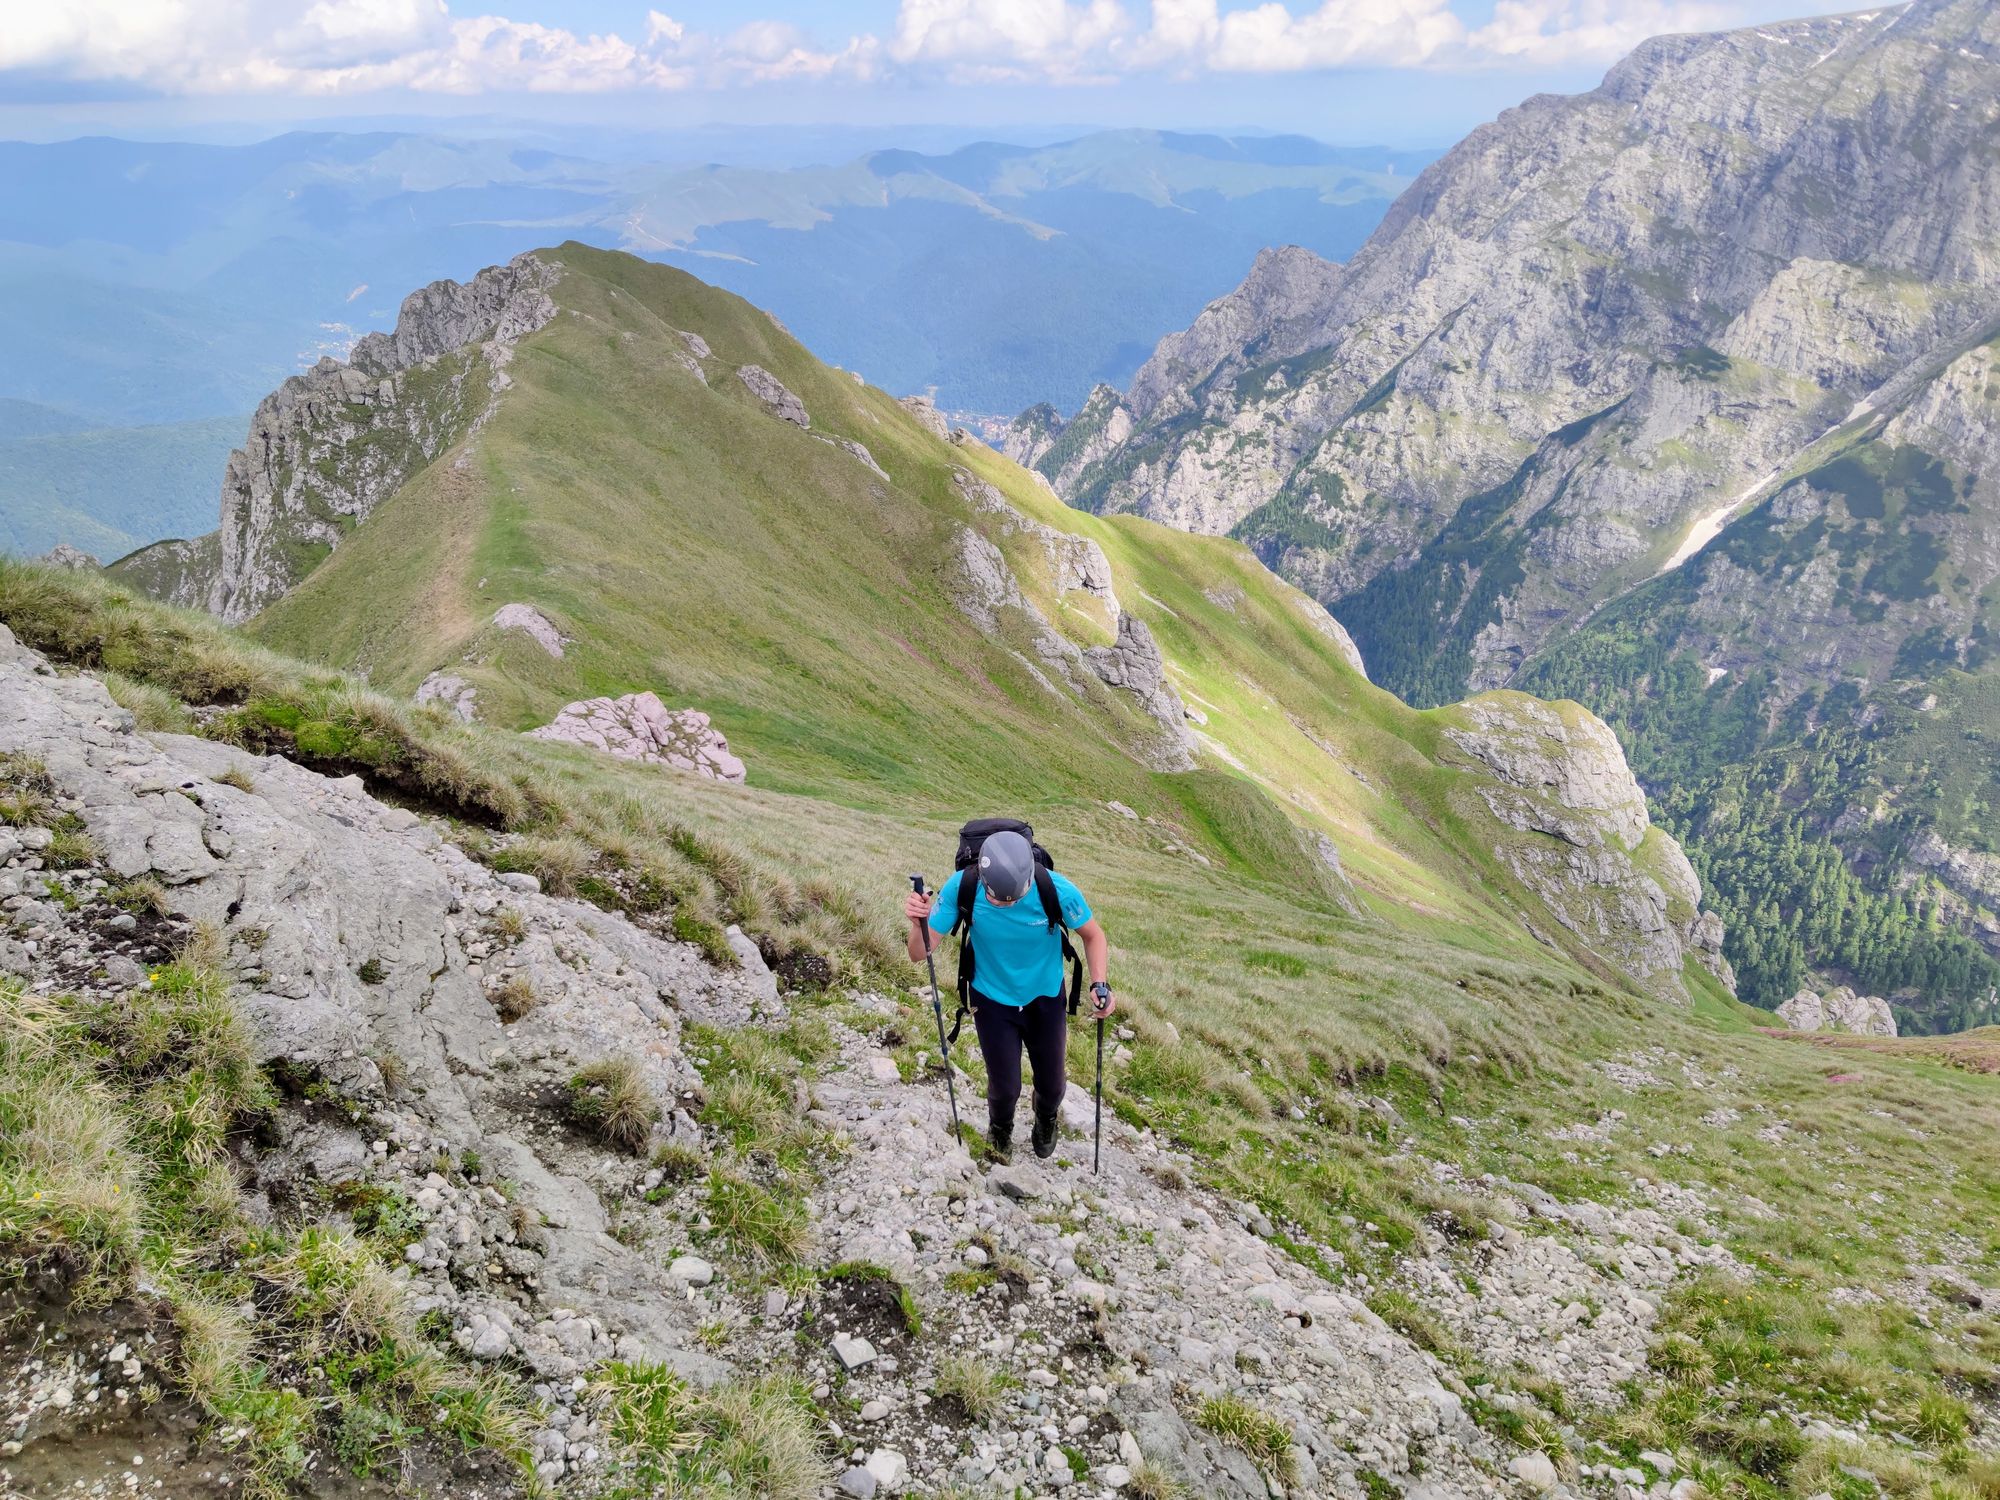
1399,71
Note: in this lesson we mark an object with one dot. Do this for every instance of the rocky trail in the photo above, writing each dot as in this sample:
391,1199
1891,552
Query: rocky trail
1034,1329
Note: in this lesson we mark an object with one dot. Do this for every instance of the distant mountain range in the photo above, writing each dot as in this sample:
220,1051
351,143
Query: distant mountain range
1678,397
163,286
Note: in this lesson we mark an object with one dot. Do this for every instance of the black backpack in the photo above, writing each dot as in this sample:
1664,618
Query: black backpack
971,839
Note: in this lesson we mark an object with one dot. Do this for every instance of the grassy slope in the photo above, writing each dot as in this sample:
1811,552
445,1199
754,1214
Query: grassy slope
694,545
1278,1005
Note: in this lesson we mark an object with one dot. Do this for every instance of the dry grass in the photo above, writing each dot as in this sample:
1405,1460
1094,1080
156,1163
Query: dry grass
976,1385
1151,1481
514,997
153,708
337,1288
72,1176
558,860
609,1098
745,1438
1267,1440
1975,1051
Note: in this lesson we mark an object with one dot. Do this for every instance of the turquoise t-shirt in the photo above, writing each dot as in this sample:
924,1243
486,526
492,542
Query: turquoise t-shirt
1019,958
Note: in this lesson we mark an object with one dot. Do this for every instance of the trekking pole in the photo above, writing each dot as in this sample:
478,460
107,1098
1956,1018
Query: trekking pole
937,1010
1097,1136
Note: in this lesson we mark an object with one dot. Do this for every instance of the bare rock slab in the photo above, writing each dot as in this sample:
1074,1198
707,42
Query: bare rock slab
640,727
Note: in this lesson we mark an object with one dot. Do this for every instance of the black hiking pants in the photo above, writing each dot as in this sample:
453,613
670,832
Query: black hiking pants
1042,1028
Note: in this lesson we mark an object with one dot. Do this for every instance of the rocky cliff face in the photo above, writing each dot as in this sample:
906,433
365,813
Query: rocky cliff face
1587,330
1839,1009
1677,398
1621,885
328,446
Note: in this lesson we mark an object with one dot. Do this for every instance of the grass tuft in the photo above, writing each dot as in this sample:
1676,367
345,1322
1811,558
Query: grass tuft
978,1387
1264,1437
763,1223
744,1438
514,997
610,1100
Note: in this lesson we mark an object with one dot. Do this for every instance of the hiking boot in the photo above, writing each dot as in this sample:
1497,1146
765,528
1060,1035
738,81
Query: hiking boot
1043,1136
1000,1139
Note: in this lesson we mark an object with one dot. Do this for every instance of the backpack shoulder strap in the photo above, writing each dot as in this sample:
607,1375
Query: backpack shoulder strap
1045,887
961,928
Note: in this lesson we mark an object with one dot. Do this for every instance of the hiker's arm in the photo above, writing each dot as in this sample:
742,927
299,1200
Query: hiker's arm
1096,950
923,941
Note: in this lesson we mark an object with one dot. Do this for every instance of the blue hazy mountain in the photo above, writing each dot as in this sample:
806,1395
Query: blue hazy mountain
160,287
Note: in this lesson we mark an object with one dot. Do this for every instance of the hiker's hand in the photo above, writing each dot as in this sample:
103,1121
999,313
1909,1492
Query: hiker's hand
1102,1005
918,907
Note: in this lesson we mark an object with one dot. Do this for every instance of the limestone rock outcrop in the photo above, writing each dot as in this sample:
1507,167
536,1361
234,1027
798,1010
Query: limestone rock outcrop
1556,773
777,397
355,932
452,693
1075,562
74,559
639,726
924,409
1839,1009
1134,665
531,622
329,445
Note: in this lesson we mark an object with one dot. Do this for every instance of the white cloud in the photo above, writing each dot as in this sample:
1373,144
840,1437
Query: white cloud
1564,31
330,47
1060,40
1270,38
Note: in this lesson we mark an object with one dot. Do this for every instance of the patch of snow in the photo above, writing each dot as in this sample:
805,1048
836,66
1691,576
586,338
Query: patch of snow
1707,528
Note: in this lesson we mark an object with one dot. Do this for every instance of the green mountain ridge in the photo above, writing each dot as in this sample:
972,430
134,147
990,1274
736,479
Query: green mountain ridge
865,591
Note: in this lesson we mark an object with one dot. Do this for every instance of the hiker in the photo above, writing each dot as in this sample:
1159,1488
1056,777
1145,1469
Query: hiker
1015,987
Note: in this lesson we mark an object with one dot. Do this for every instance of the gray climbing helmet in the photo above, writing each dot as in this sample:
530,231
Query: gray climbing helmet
1007,866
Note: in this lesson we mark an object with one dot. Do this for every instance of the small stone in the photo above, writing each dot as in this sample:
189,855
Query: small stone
1056,1463
889,1467
1662,1463
774,1303
1010,1184
858,1483
853,1353
1115,1476
1534,1470
884,1070
874,1411
691,1270
516,880
975,1256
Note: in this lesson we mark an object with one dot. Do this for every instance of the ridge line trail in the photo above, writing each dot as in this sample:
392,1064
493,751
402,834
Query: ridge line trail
1114,1307
1117,1302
